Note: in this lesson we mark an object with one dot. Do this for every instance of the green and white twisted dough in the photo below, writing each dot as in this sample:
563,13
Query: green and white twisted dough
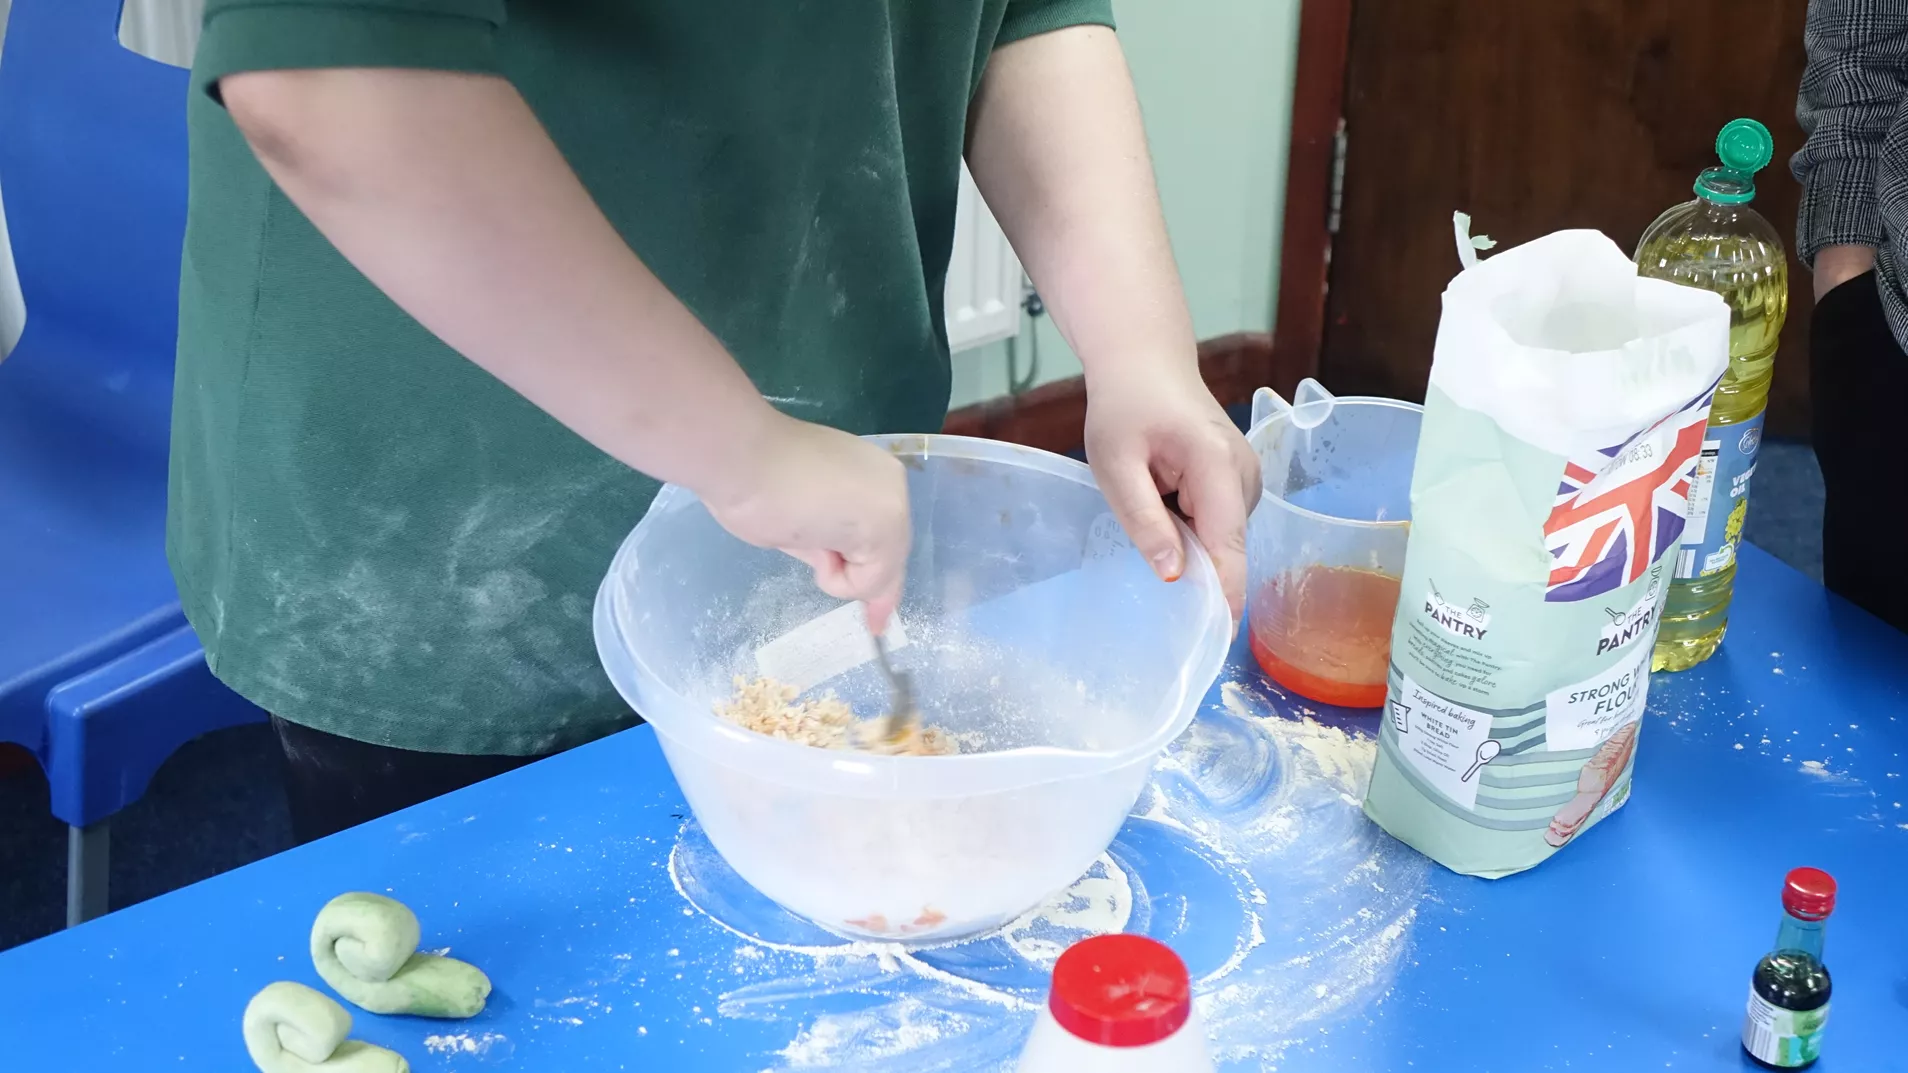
290,1028
365,946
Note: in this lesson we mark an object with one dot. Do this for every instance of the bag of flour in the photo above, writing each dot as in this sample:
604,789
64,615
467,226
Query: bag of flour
1564,418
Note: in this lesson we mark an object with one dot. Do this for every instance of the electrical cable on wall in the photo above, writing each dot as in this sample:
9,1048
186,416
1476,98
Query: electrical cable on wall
1016,383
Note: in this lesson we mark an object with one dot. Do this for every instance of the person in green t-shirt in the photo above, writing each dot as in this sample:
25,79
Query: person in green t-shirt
464,279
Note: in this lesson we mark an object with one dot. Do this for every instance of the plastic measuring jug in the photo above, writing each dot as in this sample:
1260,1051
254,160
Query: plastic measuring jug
1326,549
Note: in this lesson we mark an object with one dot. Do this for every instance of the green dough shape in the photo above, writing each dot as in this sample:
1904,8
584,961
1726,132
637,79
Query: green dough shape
365,946
290,1028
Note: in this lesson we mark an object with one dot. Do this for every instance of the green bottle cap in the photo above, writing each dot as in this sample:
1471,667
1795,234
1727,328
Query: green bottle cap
1745,147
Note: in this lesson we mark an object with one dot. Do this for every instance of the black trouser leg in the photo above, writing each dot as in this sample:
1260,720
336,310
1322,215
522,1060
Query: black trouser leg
1858,378
332,783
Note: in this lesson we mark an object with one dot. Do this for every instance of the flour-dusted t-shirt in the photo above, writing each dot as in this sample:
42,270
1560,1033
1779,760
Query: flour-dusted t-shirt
375,538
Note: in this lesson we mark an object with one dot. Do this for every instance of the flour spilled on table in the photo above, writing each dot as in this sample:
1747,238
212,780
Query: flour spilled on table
1098,903
482,1044
1303,915
1331,899
905,1027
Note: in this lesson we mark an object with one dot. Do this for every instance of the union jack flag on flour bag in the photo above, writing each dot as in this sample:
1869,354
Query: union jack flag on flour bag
1619,509
1561,432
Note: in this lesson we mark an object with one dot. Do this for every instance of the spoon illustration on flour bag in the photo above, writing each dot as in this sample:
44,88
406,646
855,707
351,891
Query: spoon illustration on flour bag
1486,752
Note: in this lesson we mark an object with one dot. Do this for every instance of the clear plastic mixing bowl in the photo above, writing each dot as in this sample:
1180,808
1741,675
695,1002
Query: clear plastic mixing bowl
1037,636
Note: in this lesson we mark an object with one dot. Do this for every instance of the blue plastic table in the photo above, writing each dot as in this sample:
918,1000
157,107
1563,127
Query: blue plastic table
617,940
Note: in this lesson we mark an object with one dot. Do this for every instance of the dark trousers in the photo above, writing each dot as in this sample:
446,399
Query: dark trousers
1858,377
333,783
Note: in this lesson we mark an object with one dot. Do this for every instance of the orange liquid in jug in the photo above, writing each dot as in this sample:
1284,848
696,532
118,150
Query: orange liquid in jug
1324,632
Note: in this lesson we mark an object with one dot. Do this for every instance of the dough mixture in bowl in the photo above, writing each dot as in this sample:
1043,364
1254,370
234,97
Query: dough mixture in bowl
769,707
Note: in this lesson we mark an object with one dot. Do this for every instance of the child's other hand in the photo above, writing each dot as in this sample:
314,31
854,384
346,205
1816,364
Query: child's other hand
1154,431
833,501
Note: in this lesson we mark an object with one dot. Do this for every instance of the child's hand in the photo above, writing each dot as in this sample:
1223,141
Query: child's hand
1160,431
831,500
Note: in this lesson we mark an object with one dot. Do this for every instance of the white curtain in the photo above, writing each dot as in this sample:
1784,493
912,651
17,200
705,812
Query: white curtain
165,30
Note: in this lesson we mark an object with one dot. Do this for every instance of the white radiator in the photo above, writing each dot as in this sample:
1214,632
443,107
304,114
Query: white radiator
984,285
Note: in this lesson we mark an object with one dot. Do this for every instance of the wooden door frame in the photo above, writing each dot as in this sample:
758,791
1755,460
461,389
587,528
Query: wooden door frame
1313,177
1052,416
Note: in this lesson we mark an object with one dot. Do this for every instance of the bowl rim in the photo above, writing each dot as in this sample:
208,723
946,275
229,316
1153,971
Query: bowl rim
918,777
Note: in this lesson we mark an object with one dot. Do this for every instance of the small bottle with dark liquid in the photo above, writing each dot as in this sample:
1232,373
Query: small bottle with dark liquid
1789,994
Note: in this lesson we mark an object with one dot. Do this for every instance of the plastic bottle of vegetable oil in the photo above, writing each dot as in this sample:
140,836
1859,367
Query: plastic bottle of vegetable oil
1717,242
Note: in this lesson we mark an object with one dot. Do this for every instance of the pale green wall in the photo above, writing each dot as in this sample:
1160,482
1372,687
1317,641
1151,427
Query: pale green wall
1215,83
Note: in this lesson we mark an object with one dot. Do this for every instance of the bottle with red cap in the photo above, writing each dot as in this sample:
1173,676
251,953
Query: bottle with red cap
1789,994
1119,1004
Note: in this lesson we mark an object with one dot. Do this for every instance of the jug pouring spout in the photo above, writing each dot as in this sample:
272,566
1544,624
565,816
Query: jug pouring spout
1267,404
1311,405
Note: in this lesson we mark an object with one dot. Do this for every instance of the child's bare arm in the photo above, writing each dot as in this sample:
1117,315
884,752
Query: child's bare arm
1056,146
445,191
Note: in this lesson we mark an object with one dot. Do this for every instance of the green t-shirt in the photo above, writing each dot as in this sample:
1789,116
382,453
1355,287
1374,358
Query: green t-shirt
375,538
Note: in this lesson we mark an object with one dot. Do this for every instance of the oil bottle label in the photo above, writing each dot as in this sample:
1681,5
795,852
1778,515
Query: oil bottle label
1786,1039
1719,498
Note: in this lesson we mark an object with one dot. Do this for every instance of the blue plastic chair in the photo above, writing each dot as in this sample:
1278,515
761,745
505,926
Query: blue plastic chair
99,674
